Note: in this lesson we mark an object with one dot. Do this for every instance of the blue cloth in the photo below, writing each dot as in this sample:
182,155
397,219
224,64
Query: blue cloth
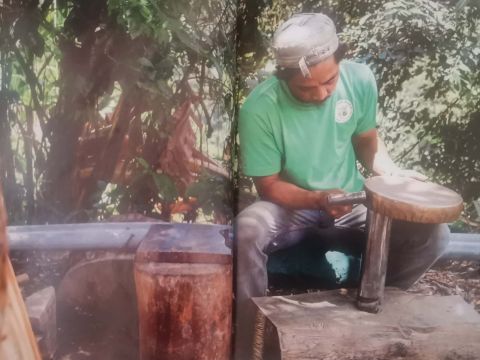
325,269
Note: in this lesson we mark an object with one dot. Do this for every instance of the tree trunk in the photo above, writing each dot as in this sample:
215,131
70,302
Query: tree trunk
7,164
28,178
85,75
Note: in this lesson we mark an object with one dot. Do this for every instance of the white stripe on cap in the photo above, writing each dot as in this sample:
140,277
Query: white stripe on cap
309,36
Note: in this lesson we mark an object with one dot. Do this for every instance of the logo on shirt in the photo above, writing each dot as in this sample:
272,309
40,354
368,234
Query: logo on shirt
343,111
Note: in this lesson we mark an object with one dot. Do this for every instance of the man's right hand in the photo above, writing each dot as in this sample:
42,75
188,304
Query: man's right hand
336,211
273,188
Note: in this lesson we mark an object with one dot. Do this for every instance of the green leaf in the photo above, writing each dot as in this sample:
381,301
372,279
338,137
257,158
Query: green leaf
143,163
165,187
145,62
188,40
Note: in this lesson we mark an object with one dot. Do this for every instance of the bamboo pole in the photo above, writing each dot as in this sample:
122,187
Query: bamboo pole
17,341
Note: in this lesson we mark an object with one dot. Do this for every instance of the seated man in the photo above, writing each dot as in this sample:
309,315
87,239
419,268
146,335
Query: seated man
301,134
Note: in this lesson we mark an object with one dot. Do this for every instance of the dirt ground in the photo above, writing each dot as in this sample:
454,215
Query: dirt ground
452,277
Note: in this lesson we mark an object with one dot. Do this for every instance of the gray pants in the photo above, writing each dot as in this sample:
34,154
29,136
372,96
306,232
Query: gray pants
265,227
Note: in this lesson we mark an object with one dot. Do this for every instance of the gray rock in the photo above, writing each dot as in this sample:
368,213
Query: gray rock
41,308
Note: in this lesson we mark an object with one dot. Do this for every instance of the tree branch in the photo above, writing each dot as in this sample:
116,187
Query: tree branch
33,84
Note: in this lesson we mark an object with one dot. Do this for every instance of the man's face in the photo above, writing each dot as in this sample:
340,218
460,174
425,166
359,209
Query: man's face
319,86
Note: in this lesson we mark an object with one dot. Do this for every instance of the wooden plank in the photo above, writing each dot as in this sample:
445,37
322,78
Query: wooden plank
17,341
327,325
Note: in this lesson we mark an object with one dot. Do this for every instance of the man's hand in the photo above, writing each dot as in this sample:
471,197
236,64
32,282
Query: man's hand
273,188
372,153
335,211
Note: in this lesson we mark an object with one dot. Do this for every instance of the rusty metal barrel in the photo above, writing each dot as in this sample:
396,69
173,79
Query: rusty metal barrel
183,279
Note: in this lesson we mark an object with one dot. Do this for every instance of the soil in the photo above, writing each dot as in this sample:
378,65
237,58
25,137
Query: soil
452,278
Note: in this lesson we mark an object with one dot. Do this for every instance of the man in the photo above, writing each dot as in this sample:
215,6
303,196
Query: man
301,134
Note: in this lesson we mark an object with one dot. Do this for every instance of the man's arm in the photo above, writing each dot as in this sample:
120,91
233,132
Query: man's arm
373,155
274,189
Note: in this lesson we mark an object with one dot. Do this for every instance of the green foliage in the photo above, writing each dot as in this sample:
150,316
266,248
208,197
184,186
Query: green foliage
189,39
426,59
76,68
28,71
165,187
213,195
66,64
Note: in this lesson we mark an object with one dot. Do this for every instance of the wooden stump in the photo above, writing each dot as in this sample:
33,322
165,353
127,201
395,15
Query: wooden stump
98,309
17,341
327,326
183,277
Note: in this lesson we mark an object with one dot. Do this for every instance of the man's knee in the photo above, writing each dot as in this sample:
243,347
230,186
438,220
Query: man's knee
418,238
255,223
248,230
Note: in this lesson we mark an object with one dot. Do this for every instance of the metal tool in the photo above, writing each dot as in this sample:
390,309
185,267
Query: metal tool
347,198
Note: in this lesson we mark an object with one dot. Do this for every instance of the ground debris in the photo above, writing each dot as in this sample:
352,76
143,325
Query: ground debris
452,277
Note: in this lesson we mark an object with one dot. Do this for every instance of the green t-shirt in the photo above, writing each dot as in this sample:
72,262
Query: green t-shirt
308,144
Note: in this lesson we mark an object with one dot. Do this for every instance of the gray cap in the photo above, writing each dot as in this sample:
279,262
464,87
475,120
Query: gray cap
304,40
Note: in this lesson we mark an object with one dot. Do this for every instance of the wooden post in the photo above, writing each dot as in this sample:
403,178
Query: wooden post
374,267
183,278
17,341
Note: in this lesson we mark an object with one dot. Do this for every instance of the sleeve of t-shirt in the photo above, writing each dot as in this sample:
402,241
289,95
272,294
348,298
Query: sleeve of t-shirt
368,120
259,153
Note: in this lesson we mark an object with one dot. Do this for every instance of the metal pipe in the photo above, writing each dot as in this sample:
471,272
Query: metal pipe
94,236
463,246
126,236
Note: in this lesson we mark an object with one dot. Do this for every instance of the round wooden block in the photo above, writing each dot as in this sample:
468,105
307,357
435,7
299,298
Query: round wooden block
412,200
183,279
